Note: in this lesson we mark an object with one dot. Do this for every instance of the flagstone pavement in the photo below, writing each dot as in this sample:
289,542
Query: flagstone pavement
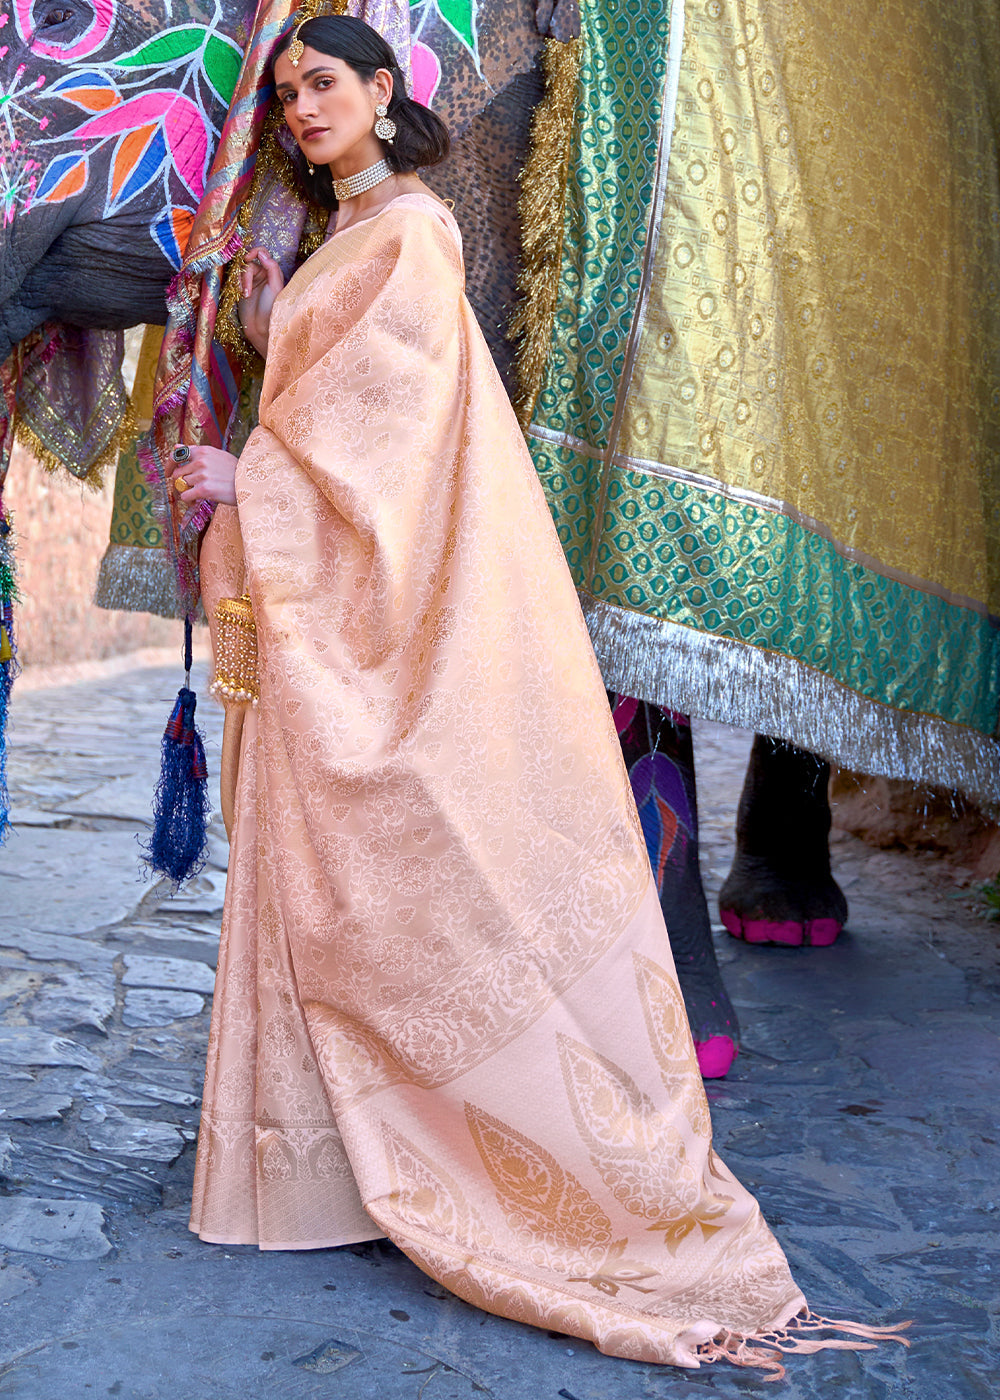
862,1111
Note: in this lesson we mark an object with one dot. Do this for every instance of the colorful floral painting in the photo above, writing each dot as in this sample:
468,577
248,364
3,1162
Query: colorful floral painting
157,104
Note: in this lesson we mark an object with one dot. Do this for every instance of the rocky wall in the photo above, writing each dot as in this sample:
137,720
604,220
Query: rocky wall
62,531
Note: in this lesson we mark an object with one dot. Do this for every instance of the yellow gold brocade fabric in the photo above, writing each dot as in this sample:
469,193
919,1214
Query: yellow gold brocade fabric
823,324
446,1009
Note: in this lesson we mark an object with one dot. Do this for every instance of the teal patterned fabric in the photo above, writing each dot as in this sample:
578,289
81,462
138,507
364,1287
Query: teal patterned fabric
622,70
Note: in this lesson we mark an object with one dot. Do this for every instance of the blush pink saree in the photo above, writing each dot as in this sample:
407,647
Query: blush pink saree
446,1010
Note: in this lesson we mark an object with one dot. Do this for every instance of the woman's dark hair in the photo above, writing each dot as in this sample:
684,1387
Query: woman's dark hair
421,137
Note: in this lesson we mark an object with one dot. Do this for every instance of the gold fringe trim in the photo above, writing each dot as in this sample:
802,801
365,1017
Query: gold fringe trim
123,436
542,208
273,164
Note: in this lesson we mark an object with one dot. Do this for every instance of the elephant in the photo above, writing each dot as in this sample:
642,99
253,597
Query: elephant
106,141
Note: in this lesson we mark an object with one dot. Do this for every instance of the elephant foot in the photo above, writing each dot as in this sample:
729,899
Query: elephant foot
761,905
713,1021
715,1056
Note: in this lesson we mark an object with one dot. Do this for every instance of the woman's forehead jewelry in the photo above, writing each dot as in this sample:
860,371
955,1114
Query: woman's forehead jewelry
364,180
296,48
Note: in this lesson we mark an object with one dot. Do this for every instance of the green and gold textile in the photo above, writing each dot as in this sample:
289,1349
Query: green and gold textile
136,563
769,422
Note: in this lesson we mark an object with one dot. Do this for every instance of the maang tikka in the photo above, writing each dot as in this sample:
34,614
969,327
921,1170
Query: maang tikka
297,48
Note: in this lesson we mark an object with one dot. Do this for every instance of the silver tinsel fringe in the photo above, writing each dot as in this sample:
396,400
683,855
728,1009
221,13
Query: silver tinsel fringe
136,579
719,679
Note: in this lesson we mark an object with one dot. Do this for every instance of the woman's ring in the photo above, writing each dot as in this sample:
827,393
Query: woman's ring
181,453
180,484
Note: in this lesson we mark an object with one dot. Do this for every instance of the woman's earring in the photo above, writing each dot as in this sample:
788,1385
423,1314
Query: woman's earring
310,167
385,127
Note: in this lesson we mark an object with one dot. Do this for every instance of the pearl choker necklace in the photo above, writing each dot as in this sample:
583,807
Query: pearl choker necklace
364,180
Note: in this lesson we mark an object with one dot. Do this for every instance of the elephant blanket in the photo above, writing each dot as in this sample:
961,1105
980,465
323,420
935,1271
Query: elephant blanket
446,1009
765,401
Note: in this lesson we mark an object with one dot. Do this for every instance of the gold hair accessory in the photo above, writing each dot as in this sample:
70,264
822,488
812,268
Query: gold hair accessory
310,10
385,127
364,180
296,48
236,678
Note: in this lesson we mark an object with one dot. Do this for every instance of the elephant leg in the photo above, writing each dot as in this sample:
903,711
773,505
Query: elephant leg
660,760
780,888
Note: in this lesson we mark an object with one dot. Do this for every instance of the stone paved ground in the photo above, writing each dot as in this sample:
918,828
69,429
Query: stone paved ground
862,1111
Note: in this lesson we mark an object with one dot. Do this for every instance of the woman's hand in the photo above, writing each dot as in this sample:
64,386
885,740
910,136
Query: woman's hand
260,282
209,475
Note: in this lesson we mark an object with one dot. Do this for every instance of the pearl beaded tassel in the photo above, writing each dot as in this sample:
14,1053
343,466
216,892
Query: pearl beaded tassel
236,646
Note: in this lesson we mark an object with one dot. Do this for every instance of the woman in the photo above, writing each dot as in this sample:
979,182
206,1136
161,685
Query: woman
446,1010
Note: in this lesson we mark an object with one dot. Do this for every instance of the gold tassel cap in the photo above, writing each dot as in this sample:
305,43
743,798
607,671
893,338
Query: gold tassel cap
236,680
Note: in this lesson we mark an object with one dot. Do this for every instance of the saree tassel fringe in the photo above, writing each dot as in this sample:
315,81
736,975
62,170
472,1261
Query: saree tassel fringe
181,805
765,1352
542,206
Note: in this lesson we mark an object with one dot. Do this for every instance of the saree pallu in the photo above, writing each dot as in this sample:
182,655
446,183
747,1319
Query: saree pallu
766,399
446,1009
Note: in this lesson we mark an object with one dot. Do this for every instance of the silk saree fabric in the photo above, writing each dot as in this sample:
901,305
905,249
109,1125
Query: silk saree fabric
446,1009
768,414
253,196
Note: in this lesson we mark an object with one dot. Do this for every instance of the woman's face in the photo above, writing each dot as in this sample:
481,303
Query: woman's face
330,110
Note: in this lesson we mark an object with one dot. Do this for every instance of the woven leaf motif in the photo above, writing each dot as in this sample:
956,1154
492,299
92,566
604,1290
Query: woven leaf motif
670,1040
562,1225
638,1151
425,1195
537,1196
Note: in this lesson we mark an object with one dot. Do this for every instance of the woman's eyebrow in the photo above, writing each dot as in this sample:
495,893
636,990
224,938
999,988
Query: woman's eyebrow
311,74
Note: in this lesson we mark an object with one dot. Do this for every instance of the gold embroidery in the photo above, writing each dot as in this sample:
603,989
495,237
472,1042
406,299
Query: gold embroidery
638,1151
670,1038
556,1218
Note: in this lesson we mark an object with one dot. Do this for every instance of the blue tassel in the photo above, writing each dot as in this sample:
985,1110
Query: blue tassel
181,807
8,660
